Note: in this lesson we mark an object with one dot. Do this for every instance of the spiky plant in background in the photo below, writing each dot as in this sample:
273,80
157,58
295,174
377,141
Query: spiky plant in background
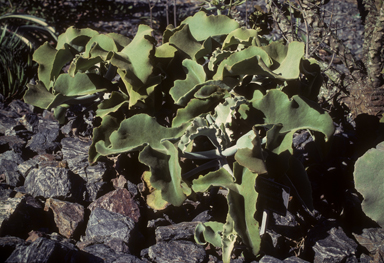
16,65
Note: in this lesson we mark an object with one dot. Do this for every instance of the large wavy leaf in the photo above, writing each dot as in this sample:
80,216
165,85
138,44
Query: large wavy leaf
137,132
203,26
166,172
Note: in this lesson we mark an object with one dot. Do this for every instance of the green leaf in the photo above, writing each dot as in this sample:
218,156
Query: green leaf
242,207
203,26
166,172
154,199
112,104
185,42
277,51
242,198
45,56
103,42
75,37
137,132
369,181
246,61
209,232
290,66
294,114
201,105
102,133
81,84
120,40
140,53
240,36
195,75
250,154
38,95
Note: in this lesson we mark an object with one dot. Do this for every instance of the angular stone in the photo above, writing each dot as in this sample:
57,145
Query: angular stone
34,235
118,201
371,239
120,182
45,140
177,251
8,120
8,245
11,142
7,207
52,182
204,216
270,259
294,260
69,217
75,153
108,225
109,255
45,250
181,231
335,247
21,215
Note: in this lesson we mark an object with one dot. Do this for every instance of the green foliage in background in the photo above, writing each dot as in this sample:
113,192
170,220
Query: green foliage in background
20,35
213,93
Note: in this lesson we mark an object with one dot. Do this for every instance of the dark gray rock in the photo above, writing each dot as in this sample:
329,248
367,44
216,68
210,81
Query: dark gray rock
270,259
5,191
11,143
203,217
181,231
335,247
75,153
20,215
45,140
177,251
108,225
45,250
109,255
55,182
294,260
8,166
8,245
8,120
371,239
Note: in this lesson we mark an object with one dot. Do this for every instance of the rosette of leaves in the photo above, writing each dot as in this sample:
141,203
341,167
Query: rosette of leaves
213,92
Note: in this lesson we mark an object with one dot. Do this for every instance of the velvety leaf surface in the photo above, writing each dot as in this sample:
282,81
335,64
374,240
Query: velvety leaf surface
81,84
185,42
243,62
209,232
135,133
295,113
112,104
369,181
166,172
195,75
75,37
38,95
239,36
108,125
203,26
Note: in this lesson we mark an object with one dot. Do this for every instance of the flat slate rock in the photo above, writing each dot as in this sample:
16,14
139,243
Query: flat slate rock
107,226
336,247
55,182
177,251
181,231
44,250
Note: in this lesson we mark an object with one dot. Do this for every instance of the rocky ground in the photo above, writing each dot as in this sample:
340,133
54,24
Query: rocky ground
54,207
